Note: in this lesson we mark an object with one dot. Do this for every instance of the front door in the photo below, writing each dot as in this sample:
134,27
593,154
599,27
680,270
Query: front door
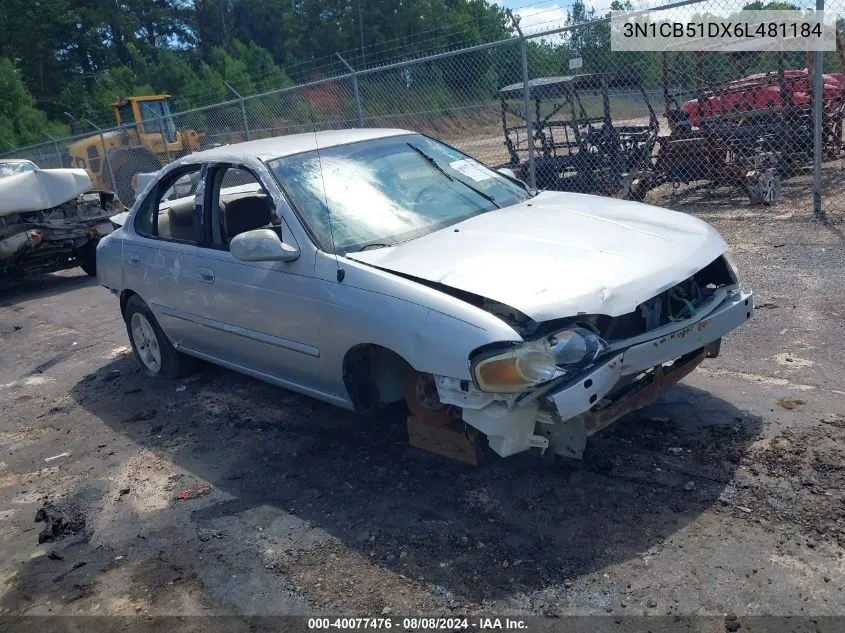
262,316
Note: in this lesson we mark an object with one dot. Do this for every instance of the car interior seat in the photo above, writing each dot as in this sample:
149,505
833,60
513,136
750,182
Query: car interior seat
178,221
246,214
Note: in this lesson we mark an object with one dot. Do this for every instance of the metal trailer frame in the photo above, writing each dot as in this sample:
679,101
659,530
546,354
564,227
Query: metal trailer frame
744,144
582,153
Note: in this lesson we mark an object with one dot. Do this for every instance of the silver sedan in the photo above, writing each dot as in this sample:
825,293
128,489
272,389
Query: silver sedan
365,267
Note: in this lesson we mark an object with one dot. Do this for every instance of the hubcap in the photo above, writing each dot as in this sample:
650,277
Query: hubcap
146,342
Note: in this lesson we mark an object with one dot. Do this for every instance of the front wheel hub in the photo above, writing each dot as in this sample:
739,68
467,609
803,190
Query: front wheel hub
423,401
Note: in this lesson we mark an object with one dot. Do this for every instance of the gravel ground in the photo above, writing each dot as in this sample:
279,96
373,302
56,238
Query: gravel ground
724,496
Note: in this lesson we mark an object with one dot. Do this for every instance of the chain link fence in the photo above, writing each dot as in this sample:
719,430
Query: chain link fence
560,109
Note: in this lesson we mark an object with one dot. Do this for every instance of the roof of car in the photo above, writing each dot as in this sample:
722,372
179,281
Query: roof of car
278,146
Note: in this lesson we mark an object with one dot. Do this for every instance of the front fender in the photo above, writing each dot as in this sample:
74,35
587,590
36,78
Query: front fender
432,331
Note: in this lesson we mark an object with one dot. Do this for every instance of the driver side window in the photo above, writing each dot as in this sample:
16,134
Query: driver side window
239,203
126,115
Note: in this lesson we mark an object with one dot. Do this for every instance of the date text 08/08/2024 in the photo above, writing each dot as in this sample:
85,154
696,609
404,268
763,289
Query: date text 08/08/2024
419,624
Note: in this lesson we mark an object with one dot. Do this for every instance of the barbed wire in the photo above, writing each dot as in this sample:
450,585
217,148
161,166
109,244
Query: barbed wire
422,44
328,65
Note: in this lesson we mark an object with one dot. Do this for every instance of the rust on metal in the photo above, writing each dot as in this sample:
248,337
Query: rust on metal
653,386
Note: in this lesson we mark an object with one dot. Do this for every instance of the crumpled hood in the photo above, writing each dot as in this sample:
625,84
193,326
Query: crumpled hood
560,254
41,189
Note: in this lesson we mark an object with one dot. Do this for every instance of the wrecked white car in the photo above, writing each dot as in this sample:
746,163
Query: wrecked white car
50,219
365,267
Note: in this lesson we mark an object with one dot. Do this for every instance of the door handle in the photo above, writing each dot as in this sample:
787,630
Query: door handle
133,260
207,275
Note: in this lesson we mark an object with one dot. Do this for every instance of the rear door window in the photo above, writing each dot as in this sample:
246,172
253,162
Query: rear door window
173,208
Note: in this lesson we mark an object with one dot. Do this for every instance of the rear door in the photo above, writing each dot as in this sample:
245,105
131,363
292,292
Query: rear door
160,259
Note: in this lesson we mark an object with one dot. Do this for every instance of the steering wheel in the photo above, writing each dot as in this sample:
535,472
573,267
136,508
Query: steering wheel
426,194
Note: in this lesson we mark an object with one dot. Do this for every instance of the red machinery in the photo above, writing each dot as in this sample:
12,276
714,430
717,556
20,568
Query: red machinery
765,90
750,132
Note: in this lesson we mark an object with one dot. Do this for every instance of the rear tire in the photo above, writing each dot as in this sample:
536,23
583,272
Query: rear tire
639,190
156,355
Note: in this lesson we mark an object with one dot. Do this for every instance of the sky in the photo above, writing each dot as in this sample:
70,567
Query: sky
542,15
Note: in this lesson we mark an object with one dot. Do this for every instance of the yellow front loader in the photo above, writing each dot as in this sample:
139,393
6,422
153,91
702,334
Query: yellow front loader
146,139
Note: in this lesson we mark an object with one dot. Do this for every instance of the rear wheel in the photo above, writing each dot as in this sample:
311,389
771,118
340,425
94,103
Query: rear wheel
763,186
157,356
139,161
639,188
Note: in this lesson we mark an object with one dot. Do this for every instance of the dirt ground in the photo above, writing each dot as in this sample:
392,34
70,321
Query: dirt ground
726,496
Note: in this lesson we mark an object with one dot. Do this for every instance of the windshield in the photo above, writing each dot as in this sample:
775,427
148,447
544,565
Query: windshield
389,190
157,118
15,167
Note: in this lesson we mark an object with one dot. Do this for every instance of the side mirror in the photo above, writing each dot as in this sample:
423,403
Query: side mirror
262,245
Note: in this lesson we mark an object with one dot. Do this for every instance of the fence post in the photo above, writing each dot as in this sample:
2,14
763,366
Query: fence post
166,147
354,90
818,124
56,146
243,110
106,156
526,90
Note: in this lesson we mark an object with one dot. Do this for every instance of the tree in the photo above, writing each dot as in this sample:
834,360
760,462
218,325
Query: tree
88,54
21,123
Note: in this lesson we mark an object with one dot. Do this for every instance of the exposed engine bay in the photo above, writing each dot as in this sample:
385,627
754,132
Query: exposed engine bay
56,238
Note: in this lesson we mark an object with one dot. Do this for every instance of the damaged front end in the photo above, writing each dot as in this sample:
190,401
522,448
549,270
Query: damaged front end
570,378
56,238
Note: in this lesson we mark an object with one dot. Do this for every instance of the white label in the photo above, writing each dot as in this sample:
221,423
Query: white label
471,169
576,62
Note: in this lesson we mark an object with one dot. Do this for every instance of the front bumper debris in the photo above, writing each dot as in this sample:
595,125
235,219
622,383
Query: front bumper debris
49,239
580,395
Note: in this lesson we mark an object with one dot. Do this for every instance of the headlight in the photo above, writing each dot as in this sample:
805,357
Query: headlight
576,348
526,366
518,369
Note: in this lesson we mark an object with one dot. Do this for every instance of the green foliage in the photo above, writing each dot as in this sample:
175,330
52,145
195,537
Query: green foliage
77,58
66,57
21,123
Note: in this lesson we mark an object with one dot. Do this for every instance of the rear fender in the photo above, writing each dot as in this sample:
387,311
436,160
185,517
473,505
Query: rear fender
110,273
